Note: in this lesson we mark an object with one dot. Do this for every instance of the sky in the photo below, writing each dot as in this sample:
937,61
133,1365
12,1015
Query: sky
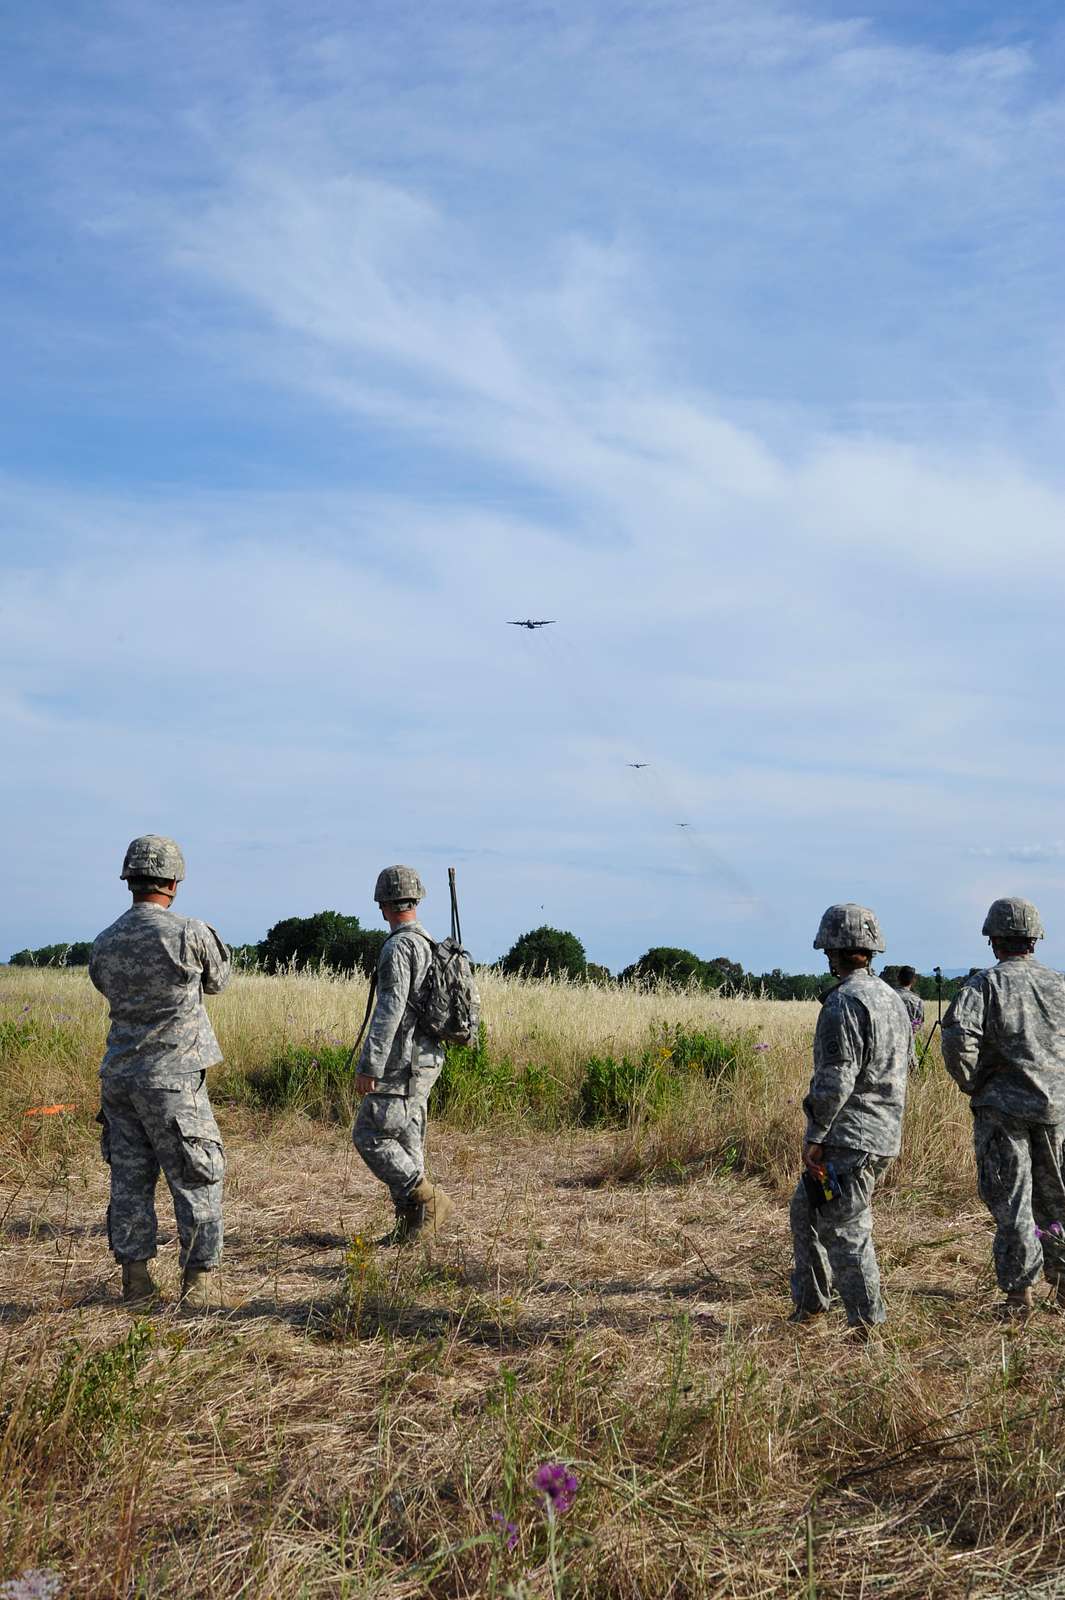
728,335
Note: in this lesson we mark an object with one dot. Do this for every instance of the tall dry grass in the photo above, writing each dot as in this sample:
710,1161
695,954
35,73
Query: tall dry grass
548,1030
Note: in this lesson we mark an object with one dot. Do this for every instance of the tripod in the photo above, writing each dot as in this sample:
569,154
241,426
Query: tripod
938,1023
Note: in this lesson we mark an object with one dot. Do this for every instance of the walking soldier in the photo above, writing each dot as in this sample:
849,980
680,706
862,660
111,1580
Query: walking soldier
399,1063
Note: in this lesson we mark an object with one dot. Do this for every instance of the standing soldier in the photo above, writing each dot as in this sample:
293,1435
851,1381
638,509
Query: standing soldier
399,1064
1004,1046
904,988
862,1050
155,967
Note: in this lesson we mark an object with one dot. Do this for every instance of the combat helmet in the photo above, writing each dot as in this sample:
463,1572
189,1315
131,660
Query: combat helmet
395,884
153,856
1013,918
849,927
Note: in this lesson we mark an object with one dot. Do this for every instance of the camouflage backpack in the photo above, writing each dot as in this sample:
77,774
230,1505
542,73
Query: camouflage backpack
447,1004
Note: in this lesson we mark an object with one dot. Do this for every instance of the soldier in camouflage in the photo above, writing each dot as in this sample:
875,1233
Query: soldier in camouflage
1004,1046
154,967
399,1064
904,988
862,1051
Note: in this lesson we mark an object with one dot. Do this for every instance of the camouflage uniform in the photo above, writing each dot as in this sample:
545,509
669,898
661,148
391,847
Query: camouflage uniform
154,968
389,1131
1004,1046
862,1051
914,1005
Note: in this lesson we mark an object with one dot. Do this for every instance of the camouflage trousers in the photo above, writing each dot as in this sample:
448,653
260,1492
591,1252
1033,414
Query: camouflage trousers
834,1242
1019,1167
145,1128
389,1133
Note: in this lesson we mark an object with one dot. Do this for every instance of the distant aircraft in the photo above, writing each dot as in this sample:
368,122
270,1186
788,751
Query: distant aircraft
636,764
530,623
683,824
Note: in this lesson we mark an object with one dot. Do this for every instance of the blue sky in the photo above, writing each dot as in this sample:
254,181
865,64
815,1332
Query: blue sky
729,335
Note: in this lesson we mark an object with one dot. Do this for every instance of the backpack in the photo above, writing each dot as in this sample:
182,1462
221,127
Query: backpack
447,1004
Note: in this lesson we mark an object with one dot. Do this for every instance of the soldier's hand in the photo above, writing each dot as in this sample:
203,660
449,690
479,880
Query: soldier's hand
813,1159
364,1084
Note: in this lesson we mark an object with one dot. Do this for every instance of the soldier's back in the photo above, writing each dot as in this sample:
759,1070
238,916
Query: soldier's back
1022,1057
150,966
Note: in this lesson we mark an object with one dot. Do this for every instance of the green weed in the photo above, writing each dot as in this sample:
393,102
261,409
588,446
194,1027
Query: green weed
317,1079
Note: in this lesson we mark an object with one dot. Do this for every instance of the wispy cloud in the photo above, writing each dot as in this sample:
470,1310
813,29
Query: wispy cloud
731,339
1054,850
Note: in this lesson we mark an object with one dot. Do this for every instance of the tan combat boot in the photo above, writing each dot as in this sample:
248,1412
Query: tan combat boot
138,1288
410,1219
201,1289
1016,1307
435,1204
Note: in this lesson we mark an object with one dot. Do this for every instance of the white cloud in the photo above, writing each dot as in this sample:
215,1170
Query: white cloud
596,318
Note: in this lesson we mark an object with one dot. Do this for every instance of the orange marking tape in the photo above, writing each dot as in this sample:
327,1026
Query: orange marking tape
47,1111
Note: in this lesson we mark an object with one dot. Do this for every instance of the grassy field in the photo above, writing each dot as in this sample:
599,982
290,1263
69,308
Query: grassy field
612,1297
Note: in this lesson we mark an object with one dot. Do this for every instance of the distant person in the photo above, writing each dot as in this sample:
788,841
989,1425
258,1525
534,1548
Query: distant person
862,1049
154,968
904,988
398,1065
1004,1046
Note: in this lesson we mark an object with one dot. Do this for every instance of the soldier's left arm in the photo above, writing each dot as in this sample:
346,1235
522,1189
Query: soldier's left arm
393,993
839,1050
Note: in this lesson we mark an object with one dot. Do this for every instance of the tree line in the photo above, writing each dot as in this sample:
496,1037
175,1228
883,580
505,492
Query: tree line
328,939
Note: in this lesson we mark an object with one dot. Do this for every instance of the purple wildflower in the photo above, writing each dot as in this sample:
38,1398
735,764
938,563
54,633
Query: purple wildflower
24,1010
558,1486
36,1583
761,1047
1055,1231
508,1532
314,1061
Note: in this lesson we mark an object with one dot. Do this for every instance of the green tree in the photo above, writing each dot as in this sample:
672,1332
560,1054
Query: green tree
666,964
721,973
546,952
326,939
67,954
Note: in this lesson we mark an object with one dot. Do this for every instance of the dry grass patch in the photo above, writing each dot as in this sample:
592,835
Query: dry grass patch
368,1423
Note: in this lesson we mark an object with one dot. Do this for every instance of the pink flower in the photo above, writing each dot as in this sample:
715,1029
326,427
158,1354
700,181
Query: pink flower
558,1486
507,1530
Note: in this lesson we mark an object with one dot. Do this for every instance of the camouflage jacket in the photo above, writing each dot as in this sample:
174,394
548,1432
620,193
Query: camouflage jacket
862,1052
155,967
1004,1040
914,1005
394,1044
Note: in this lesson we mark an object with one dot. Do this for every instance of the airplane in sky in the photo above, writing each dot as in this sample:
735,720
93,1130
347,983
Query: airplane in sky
683,824
530,623
636,764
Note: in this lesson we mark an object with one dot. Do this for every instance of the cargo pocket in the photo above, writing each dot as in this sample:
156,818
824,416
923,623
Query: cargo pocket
105,1135
996,1166
202,1157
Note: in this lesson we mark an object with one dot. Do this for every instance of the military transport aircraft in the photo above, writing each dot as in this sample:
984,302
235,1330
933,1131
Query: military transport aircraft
530,623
